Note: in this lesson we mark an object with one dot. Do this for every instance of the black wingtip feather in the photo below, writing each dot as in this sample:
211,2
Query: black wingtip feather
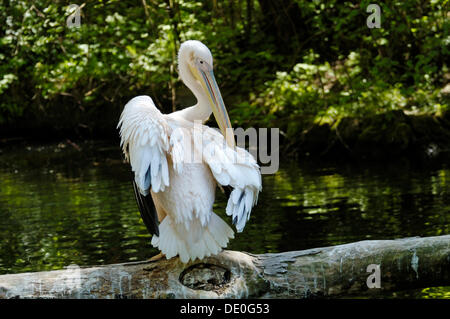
148,211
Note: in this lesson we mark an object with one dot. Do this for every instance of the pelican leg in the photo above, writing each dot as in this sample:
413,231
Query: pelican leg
156,257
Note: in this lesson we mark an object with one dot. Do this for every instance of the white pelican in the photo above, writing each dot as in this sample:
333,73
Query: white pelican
160,148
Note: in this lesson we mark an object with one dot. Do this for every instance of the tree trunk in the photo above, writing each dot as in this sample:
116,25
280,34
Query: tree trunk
175,44
319,272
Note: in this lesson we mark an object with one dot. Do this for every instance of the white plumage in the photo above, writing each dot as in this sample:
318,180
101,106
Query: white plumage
180,161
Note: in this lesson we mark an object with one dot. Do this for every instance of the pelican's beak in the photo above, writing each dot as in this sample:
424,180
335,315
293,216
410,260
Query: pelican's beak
209,84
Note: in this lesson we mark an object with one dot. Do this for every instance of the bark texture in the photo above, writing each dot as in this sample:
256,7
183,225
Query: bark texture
336,271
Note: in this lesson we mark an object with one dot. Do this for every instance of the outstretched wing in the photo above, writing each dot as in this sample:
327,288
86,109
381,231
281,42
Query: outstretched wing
144,141
235,168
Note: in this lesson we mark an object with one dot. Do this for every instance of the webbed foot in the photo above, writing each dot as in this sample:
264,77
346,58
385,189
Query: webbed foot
156,257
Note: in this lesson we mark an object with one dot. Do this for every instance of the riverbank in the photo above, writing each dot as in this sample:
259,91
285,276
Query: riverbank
378,137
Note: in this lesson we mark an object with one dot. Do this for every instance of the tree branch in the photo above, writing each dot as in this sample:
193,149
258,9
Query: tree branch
319,272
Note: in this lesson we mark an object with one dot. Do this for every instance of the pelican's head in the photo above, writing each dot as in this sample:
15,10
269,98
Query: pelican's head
195,64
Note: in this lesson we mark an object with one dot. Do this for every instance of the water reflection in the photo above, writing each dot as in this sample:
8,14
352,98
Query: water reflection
60,206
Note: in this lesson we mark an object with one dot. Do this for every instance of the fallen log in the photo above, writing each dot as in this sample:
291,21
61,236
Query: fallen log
336,271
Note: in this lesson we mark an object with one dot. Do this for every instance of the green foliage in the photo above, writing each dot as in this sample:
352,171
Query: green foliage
351,70
317,59
121,49
323,90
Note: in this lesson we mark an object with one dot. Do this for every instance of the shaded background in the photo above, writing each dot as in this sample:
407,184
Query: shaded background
284,63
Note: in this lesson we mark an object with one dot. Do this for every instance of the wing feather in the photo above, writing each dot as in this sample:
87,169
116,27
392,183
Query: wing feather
148,211
144,141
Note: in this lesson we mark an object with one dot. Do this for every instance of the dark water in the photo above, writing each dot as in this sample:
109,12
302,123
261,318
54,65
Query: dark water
60,205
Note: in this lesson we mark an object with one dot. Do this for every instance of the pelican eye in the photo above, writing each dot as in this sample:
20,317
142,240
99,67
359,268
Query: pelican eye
203,65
